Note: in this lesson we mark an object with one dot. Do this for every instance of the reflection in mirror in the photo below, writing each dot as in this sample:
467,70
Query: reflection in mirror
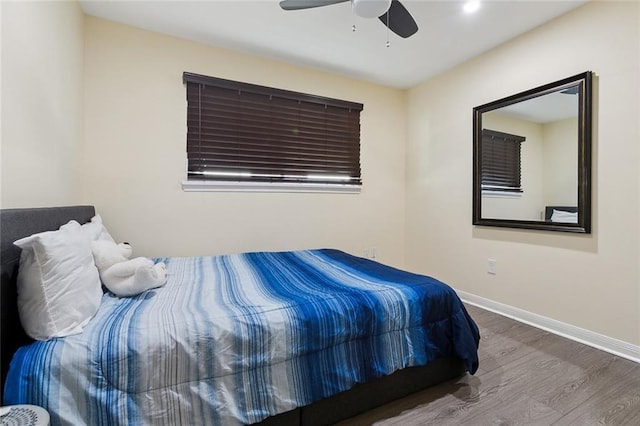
531,158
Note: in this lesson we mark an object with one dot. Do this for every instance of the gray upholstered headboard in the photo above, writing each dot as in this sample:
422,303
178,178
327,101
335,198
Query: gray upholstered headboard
15,224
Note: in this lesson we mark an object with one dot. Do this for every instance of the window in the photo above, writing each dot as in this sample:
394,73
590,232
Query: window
501,165
244,133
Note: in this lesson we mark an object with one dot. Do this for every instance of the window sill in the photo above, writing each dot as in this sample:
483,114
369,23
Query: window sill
226,186
500,194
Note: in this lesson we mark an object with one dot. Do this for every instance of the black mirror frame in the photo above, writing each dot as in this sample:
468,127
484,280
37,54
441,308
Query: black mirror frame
584,80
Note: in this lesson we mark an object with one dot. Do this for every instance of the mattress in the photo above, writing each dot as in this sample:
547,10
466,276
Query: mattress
234,339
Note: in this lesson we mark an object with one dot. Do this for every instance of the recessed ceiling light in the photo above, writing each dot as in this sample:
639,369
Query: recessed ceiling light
471,6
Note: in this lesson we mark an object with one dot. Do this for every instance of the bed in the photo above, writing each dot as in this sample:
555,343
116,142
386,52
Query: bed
307,337
566,214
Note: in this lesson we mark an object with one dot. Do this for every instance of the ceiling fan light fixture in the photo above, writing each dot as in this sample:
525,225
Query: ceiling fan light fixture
371,8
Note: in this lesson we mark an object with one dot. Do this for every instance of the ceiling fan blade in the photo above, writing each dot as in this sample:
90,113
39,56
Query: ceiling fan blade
307,4
400,20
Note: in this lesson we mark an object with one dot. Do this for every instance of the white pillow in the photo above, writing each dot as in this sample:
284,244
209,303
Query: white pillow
96,230
59,288
564,217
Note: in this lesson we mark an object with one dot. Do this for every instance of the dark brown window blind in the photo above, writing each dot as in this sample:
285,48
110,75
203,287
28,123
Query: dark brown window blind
244,132
501,167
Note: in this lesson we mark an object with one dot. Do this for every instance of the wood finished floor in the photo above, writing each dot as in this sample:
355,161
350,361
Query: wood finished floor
526,377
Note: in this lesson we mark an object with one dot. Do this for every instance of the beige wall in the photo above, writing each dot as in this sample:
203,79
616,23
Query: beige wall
42,73
135,136
560,162
589,281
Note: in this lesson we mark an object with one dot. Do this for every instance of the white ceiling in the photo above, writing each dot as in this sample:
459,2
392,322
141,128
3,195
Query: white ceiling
322,37
549,108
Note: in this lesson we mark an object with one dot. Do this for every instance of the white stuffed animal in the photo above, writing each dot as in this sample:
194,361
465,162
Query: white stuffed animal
123,276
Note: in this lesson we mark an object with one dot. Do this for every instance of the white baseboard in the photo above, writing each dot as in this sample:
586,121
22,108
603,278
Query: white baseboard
599,341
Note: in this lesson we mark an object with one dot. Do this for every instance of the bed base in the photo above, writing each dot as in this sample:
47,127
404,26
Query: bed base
367,396
18,223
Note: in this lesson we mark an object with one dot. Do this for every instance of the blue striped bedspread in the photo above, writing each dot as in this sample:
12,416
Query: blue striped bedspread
233,339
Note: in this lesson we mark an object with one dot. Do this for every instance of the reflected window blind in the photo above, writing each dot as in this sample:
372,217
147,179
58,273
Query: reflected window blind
244,132
501,166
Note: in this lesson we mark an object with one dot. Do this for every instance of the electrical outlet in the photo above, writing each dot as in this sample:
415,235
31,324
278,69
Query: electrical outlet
491,266
374,253
366,253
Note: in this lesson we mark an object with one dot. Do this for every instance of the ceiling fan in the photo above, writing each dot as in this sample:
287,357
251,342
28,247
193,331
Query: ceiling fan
391,12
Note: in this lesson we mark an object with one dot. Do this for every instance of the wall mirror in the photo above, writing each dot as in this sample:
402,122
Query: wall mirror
532,158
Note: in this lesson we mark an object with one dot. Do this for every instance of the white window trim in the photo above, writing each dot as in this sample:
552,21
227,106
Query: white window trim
501,194
231,186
